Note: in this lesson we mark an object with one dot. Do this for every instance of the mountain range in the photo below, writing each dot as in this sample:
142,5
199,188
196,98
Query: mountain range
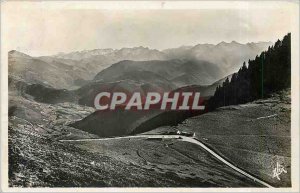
228,56
78,77
179,72
72,70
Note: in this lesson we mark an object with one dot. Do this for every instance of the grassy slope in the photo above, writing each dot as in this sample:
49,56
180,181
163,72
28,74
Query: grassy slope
255,145
185,163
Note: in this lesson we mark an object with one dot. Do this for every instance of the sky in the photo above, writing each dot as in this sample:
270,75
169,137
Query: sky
40,30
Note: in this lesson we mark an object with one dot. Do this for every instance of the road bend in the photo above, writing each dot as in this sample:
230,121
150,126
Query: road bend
182,138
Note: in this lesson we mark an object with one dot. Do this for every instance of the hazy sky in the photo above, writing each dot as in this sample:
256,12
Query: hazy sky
42,31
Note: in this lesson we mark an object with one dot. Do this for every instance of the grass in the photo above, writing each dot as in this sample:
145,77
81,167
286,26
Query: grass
242,135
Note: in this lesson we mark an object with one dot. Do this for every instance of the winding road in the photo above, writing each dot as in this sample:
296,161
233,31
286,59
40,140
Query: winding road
187,139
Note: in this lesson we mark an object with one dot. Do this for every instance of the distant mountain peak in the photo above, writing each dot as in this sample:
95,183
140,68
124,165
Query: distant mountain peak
202,45
260,42
222,42
15,53
235,42
227,43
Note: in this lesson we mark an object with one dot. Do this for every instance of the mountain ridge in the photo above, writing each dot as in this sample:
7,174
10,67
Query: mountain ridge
71,70
110,50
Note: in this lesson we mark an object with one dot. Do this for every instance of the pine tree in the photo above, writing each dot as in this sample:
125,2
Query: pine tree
267,73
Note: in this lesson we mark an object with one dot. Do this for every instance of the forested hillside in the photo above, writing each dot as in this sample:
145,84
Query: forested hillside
267,73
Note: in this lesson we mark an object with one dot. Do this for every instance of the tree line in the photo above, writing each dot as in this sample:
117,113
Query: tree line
267,73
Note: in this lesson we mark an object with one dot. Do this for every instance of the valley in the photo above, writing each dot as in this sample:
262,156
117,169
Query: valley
55,154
